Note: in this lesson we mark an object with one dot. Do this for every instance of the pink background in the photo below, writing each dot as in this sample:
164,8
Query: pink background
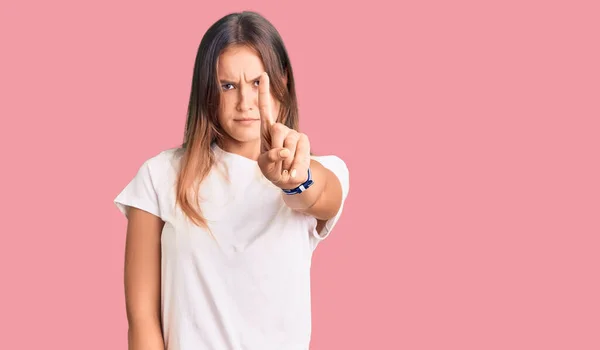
471,131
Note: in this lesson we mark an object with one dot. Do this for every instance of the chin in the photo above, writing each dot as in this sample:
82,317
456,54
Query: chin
244,136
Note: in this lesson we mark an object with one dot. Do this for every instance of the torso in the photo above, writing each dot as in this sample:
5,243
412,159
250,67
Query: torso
249,286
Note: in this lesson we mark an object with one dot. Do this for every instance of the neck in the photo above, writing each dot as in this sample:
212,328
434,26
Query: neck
250,150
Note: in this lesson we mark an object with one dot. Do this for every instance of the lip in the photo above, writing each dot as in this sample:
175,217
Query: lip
245,120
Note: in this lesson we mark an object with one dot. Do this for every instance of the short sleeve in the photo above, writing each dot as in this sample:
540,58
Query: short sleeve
339,168
139,193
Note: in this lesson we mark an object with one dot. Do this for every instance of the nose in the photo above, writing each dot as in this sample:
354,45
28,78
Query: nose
247,99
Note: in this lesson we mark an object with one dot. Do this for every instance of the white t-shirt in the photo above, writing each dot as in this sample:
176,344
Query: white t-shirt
249,286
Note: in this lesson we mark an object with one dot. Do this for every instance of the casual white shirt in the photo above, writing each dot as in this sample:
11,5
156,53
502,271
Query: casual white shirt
248,287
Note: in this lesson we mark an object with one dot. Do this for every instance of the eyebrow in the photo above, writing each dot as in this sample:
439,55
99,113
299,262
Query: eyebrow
228,81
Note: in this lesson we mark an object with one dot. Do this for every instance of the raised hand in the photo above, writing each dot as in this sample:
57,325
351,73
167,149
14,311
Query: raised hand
285,153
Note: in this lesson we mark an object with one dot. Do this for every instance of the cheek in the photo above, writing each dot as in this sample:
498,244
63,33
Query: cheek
225,108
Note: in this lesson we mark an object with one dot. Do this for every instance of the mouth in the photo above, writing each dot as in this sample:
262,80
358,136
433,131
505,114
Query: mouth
246,120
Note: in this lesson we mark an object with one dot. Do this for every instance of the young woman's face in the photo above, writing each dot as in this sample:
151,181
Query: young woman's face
239,69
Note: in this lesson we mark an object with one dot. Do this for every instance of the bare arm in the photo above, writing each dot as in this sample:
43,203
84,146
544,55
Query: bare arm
323,199
142,280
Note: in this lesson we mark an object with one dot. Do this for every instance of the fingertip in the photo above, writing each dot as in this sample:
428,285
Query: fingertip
284,153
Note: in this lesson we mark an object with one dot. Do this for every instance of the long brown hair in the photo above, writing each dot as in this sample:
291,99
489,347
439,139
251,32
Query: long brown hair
202,127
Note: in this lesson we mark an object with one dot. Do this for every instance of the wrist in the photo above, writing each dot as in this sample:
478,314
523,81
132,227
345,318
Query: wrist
299,186
305,200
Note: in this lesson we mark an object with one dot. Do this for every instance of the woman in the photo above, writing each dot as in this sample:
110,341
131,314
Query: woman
222,229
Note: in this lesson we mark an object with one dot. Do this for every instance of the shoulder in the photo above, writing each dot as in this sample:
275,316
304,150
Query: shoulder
332,161
337,166
165,158
159,171
164,164
150,187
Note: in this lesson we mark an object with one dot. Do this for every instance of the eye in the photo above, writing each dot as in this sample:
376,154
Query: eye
256,82
227,86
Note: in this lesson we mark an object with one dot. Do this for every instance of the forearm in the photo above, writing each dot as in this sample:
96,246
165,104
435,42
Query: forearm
145,336
321,200
142,280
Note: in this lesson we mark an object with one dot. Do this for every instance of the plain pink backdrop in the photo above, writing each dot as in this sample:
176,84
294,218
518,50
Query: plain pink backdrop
471,130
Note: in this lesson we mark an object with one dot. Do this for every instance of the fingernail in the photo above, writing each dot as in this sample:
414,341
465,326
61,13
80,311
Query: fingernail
293,173
283,152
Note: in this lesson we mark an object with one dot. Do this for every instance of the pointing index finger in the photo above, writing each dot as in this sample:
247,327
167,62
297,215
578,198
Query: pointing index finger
264,100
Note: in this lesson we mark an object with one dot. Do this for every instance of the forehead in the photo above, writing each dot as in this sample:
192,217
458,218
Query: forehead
237,61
